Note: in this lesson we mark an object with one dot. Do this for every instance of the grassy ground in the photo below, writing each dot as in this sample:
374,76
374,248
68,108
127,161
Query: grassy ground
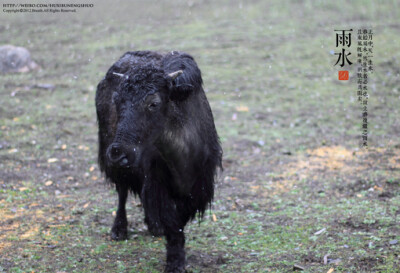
296,189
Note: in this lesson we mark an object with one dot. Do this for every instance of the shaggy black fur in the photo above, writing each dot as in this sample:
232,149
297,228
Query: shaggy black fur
157,139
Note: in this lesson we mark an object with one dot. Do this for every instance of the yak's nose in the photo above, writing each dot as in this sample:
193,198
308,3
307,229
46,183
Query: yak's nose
116,155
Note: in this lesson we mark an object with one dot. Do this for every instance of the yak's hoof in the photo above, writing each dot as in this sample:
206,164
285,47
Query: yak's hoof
172,268
155,228
119,233
156,231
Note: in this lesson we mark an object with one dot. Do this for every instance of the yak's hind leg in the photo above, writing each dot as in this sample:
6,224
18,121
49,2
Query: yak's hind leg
151,204
119,230
161,215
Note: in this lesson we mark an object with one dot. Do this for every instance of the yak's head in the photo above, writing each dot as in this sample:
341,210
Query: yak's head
141,103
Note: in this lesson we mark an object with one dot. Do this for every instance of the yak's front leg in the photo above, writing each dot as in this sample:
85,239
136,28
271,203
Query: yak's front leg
175,251
161,216
119,230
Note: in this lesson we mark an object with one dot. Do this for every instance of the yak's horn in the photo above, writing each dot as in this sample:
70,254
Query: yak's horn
118,74
175,74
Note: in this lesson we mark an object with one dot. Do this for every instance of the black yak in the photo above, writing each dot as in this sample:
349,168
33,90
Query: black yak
157,139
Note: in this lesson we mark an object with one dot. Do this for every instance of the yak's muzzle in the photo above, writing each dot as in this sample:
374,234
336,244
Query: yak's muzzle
119,155
116,155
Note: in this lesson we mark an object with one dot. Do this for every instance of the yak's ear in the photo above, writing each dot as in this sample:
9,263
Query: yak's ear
183,75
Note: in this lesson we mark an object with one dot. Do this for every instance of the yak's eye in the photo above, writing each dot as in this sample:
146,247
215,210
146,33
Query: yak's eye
153,105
